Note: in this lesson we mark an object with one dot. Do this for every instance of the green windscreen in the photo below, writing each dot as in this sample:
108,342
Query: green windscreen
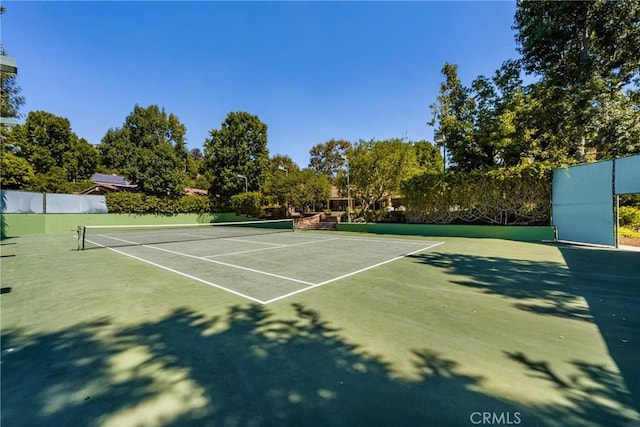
583,203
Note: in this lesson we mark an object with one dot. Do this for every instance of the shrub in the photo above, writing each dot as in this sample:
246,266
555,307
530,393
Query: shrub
629,232
519,195
139,203
247,203
630,217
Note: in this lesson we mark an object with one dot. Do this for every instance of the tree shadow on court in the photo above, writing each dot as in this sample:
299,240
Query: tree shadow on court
61,378
595,392
596,286
540,287
255,370
247,367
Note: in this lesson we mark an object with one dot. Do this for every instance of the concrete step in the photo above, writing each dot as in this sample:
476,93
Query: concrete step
325,225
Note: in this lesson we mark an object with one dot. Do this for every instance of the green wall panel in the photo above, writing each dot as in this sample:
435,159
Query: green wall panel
520,233
14,225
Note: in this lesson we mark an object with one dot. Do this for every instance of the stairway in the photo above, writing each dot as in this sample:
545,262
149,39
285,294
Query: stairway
318,222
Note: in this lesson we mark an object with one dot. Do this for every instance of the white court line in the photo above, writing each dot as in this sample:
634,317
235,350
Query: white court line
233,239
182,274
266,249
310,285
216,262
376,239
230,265
351,274
112,238
200,237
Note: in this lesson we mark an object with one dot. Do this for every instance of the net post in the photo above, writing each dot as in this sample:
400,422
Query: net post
81,231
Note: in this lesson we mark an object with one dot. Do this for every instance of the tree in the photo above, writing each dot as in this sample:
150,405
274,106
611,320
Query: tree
315,189
481,123
196,169
239,147
587,52
283,185
10,98
428,157
81,161
15,172
453,113
329,158
149,149
377,168
55,154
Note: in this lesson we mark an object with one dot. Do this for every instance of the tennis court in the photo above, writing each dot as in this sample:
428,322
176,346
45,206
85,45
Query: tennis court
404,332
260,261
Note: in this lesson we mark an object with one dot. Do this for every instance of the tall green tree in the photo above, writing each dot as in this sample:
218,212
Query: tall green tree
315,189
376,170
588,53
481,123
55,154
149,149
453,114
239,147
328,158
282,180
428,157
10,92
15,171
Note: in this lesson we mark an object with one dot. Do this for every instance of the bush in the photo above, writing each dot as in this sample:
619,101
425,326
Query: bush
139,203
247,203
630,217
519,195
629,232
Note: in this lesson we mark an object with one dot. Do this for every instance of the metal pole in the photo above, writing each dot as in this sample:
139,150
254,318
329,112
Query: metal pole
348,195
245,181
439,138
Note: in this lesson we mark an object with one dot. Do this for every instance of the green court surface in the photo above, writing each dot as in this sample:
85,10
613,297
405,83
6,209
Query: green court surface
326,329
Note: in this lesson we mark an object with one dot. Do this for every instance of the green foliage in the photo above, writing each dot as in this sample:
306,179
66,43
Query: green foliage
484,126
282,186
587,54
584,106
81,161
315,189
44,139
376,170
630,200
239,147
139,203
629,217
518,195
249,204
15,172
329,158
53,152
52,181
428,157
10,98
149,149
629,232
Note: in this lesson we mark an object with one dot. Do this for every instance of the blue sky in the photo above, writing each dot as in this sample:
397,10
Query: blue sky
311,71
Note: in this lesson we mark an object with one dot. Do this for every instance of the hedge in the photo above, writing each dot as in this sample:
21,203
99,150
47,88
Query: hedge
506,196
139,203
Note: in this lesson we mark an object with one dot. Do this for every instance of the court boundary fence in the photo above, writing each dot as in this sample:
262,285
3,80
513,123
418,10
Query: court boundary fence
28,224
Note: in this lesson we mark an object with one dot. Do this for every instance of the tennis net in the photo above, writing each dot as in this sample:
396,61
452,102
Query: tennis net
101,236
